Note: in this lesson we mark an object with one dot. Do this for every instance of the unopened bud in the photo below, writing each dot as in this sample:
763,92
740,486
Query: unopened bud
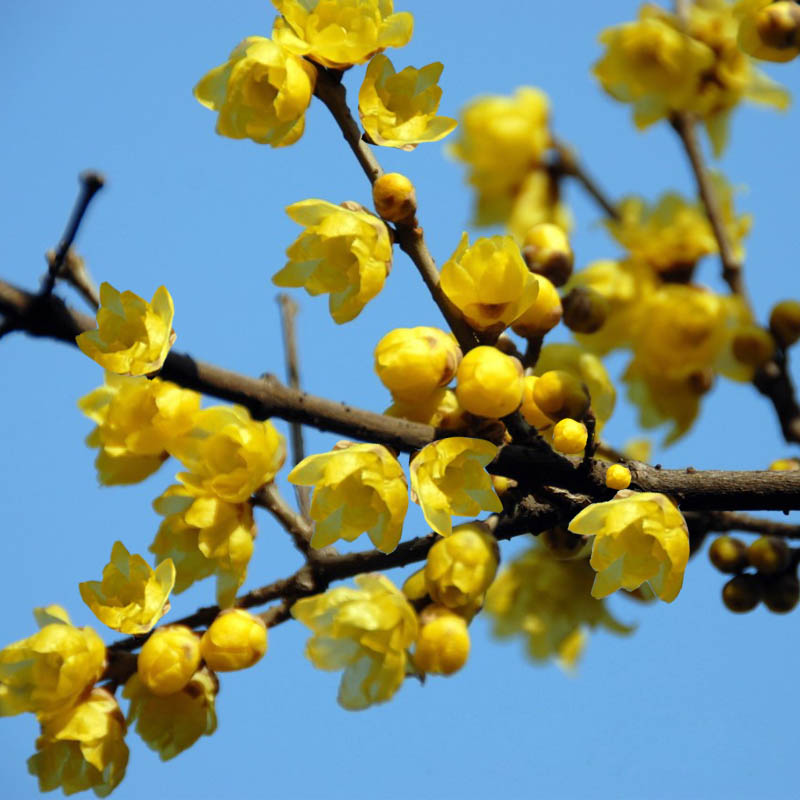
702,381
784,322
168,659
769,555
443,641
543,315
395,198
618,477
728,554
235,640
530,411
547,252
560,394
570,436
585,310
753,346
782,593
742,593
489,383
778,25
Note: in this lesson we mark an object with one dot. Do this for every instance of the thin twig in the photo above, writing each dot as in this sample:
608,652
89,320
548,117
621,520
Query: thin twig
774,381
296,525
288,313
76,274
685,126
567,164
733,521
90,184
410,238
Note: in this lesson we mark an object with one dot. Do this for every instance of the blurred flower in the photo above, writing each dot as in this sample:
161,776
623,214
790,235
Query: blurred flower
769,30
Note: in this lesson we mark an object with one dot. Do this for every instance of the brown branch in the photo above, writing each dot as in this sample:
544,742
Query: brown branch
75,273
685,126
530,465
288,313
410,238
774,382
567,164
296,525
731,521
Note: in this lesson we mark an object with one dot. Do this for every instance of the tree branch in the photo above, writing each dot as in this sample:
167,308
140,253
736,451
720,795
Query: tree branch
774,382
296,525
567,164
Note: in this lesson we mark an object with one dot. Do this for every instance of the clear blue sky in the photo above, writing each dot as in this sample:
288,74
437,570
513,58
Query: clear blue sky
698,703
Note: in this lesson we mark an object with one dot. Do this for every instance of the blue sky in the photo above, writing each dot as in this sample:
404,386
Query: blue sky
697,703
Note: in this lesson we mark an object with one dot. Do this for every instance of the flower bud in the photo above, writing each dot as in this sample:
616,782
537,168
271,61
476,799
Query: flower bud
560,394
489,383
728,554
547,252
530,411
235,640
412,363
443,641
543,315
585,310
618,477
415,587
778,25
702,381
168,659
395,198
742,593
785,465
784,322
753,346
782,593
570,436
563,545
769,555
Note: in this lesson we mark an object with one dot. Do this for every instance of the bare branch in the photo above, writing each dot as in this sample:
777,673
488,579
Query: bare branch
567,164
773,381
75,273
297,526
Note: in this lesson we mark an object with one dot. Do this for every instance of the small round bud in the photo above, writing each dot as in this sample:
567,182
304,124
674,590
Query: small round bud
785,465
412,363
742,593
778,25
235,640
489,383
753,346
618,477
543,315
585,310
781,593
728,554
533,415
394,197
769,555
784,322
547,252
442,643
570,436
560,394
564,545
168,659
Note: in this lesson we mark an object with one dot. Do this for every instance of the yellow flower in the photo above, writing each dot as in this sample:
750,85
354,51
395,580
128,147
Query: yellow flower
441,409
489,383
543,315
346,254
171,724
204,536
229,454
489,282
169,659
502,140
359,488
569,436
340,33
137,422
529,409
618,477
235,640
674,234
537,202
548,602
398,109
131,598
448,478
460,568
442,646
49,671
82,747
769,30
132,337
261,93
588,369
395,198
365,631
639,536
412,363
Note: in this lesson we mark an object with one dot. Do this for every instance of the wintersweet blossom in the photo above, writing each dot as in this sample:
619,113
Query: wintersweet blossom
638,537
343,252
443,645
169,659
490,383
448,478
261,93
769,30
235,640
132,336
82,747
171,724
358,488
489,282
549,603
398,109
204,535
137,421
132,597
365,631
49,671
229,454
340,33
